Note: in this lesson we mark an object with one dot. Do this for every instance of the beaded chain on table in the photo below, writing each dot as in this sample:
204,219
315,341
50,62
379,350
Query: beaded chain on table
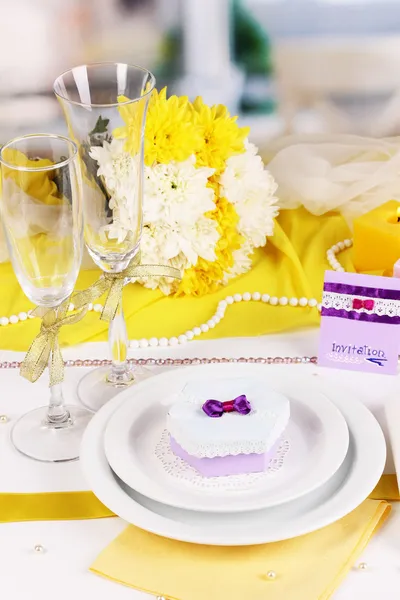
197,331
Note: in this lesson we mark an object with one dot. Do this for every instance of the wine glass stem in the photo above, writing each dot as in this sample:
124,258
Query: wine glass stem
57,413
118,341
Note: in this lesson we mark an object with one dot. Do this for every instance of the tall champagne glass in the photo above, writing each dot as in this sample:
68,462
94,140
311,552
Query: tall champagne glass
41,211
105,108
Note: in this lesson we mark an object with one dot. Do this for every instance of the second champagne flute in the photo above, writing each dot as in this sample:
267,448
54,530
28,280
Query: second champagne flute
105,108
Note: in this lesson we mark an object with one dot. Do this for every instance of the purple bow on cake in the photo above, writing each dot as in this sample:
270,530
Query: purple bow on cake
215,408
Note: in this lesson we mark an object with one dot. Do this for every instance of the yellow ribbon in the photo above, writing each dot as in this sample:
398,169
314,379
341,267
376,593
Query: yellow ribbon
113,284
45,349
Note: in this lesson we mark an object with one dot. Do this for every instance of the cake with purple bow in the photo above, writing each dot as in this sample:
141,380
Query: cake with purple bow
228,427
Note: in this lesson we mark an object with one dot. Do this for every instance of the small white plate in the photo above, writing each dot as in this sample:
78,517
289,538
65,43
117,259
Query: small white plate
352,483
317,436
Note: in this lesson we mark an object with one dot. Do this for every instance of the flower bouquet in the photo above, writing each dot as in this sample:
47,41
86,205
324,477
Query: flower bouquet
208,200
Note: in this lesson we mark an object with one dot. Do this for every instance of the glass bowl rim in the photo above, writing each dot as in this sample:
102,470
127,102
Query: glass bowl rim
105,64
56,165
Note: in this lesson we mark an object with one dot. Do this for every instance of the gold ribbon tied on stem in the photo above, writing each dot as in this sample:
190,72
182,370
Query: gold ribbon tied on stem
45,350
113,284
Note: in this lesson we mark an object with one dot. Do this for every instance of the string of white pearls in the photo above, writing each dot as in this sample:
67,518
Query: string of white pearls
220,314
335,249
221,308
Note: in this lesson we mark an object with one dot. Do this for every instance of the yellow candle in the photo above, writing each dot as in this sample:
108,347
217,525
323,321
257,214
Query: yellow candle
377,238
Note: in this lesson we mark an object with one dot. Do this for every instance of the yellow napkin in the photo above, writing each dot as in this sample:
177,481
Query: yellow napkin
307,568
292,264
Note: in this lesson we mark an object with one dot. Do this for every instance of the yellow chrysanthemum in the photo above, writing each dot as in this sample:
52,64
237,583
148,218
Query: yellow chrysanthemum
221,136
171,133
207,276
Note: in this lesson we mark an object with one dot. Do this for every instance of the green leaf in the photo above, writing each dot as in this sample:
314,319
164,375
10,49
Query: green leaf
101,126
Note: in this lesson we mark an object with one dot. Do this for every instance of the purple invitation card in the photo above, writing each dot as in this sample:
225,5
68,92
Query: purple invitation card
358,323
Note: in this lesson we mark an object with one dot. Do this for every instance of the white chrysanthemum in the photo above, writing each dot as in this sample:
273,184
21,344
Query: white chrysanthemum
242,262
177,193
251,188
120,172
118,167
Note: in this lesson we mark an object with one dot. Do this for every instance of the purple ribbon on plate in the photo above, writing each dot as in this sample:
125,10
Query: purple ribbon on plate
215,408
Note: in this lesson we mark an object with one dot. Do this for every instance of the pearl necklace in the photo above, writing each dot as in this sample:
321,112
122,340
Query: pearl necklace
221,308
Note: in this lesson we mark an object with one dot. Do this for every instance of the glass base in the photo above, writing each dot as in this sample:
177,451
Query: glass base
96,388
33,436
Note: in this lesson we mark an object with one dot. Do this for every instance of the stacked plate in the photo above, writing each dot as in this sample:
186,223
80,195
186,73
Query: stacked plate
330,459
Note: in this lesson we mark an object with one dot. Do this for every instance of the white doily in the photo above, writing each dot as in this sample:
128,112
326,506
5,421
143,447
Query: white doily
381,307
179,469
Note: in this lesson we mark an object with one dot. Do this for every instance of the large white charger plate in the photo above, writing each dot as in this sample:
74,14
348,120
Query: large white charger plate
351,484
317,433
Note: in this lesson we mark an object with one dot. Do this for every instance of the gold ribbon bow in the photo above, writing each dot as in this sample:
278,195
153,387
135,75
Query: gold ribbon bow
45,346
45,349
113,283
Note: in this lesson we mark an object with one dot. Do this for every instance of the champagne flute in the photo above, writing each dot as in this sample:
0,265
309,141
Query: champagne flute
41,211
105,108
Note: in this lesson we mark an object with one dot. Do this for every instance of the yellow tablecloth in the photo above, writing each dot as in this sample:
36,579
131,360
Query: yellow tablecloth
292,264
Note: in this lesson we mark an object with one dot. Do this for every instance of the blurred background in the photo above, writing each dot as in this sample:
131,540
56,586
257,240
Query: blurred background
282,65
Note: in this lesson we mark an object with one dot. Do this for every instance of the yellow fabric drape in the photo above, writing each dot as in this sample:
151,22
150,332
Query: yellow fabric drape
292,264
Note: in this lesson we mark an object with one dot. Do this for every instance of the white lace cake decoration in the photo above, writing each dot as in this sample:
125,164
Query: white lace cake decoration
179,469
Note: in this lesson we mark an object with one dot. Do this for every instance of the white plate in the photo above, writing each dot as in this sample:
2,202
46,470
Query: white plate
317,435
352,483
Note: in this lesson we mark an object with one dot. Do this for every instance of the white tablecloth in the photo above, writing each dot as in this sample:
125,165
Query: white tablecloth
70,546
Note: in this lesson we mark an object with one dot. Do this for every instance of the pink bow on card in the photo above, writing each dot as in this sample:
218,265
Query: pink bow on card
366,304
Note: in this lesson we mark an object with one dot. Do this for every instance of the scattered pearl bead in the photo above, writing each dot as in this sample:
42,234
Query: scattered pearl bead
90,306
293,301
163,342
38,548
246,296
143,343
237,297
303,301
173,341
312,302
211,323
4,321
134,344
319,306
362,566
283,301
97,308
189,334
271,575
3,419
71,307
341,245
265,298
348,243
229,299
222,305
256,296
273,300
30,315
204,328
196,330
161,598
22,316
182,339
153,342
14,319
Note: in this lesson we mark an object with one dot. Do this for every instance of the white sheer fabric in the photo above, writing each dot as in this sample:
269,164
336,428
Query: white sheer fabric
347,173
